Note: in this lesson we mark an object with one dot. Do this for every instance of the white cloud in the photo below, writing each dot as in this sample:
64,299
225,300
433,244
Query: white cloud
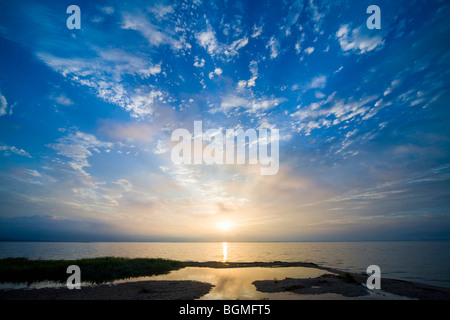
141,104
216,72
148,30
108,10
339,70
154,35
109,64
355,40
394,84
232,102
254,72
309,50
236,45
319,95
257,31
7,150
242,84
251,82
125,184
3,105
199,63
164,168
78,147
316,15
33,173
207,39
298,44
324,113
317,82
274,46
298,48
121,63
105,74
63,100
161,11
265,103
161,147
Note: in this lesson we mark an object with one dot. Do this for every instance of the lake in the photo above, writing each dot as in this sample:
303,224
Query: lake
419,261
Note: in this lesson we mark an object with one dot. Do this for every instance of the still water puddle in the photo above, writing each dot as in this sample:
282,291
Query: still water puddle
236,283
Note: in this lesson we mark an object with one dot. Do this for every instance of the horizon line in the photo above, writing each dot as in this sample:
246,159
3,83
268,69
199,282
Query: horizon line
258,241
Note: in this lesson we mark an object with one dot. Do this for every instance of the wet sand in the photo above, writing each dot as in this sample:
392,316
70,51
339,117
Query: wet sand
141,290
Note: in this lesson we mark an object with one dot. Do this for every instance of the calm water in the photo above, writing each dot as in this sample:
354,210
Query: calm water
426,262
237,283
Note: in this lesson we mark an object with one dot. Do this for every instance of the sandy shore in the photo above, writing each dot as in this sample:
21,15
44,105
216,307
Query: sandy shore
141,290
398,287
190,290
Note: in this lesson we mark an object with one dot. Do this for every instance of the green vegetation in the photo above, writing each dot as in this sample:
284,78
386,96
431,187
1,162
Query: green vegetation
94,270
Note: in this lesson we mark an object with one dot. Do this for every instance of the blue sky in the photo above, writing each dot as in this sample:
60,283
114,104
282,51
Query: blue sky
86,118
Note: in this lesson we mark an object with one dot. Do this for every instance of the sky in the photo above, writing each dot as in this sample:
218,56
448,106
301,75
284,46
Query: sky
86,118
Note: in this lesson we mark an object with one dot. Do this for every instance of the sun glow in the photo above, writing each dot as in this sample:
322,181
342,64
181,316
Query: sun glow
224,225
225,251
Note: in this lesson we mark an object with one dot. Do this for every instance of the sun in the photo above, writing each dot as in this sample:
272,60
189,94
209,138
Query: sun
224,225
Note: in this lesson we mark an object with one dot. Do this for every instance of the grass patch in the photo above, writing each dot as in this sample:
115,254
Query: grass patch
94,270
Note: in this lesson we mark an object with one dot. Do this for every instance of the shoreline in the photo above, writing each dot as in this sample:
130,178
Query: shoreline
190,290
404,288
140,290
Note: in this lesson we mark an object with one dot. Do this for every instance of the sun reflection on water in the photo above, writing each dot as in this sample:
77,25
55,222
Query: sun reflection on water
225,251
